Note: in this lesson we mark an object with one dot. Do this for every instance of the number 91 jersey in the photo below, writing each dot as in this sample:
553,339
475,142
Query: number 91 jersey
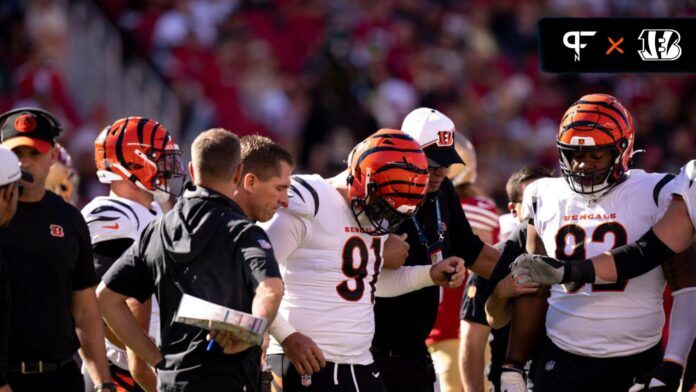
330,268
601,320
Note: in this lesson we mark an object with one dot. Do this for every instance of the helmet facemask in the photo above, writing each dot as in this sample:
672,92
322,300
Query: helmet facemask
596,123
387,178
169,181
374,214
596,182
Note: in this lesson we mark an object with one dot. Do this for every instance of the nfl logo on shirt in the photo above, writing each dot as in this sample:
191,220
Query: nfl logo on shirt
306,381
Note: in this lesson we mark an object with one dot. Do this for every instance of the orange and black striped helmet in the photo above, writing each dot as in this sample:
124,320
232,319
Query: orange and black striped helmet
596,122
387,179
139,150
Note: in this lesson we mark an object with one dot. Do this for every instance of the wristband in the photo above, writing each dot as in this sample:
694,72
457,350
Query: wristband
281,329
109,386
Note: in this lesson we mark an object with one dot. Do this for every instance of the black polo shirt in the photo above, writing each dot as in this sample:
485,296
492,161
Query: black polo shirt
205,247
403,323
49,255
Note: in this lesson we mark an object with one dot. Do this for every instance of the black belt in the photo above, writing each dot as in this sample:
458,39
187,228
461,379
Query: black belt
400,353
33,367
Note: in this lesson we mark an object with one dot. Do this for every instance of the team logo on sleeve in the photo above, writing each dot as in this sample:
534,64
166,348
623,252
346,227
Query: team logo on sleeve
264,244
57,231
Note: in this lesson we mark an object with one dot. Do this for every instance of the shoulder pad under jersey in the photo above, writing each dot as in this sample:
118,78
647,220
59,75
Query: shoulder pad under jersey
110,219
303,196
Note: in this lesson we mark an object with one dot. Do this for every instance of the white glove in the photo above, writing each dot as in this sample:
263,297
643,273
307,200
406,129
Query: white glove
538,269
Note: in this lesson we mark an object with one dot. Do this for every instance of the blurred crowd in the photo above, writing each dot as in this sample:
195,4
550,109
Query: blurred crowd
319,75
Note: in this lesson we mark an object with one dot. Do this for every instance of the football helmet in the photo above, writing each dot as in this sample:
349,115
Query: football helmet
596,122
140,150
466,173
62,178
387,179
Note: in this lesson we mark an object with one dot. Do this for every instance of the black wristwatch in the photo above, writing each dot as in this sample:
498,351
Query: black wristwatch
108,386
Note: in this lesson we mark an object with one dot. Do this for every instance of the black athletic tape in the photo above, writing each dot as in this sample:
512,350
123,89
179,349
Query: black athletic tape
641,256
578,271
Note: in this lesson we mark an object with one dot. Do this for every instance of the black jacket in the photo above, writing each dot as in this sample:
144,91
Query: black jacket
207,248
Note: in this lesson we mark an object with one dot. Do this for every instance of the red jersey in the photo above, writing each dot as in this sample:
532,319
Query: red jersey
482,215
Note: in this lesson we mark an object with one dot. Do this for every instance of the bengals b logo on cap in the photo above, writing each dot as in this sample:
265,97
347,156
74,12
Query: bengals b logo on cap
445,138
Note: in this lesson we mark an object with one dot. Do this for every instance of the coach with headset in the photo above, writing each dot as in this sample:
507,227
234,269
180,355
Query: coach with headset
49,258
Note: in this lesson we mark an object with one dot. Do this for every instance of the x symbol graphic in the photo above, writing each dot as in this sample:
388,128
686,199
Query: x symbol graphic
615,45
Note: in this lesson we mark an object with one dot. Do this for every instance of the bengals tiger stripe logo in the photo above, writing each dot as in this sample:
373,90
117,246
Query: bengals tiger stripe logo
25,123
445,138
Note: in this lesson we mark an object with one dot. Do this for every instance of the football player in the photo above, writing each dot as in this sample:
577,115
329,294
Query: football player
63,179
139,160
599,336
672,234
329,244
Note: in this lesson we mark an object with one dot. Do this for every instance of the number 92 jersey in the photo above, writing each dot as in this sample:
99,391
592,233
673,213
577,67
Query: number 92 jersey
601,320
330,269
684,186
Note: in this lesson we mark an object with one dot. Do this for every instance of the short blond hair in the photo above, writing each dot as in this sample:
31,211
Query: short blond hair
215,154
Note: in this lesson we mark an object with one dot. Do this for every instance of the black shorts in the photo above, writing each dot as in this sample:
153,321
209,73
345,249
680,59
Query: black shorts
333,377
406,371
559,370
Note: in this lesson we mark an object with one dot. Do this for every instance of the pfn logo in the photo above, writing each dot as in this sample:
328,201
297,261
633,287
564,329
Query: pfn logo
575,43
660,45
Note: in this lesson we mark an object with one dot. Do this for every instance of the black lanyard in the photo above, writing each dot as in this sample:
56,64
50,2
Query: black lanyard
440,229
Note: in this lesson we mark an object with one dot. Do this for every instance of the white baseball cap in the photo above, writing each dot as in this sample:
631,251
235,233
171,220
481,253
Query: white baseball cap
9,166
435,133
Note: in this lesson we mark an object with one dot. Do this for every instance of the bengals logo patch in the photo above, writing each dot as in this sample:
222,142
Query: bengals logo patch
445,138
57,231
25,123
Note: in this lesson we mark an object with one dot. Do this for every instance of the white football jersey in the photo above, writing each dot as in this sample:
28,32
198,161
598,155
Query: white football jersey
330,269
601,320
684,186
113,217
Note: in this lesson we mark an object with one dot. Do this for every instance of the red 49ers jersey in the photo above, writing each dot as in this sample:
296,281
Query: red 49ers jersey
601,320
330,268
482,214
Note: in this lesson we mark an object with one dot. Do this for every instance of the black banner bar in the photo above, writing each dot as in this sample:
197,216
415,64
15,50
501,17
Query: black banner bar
617,44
